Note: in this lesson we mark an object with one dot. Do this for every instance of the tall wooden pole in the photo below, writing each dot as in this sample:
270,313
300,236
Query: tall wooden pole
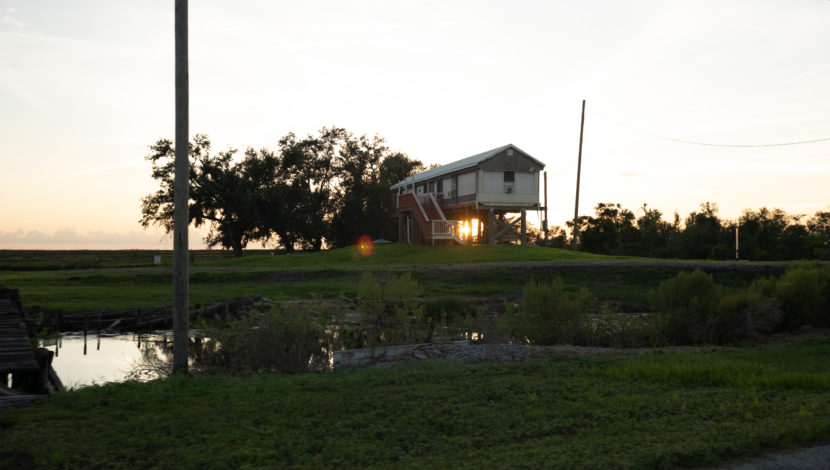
578,174
181,195
545,224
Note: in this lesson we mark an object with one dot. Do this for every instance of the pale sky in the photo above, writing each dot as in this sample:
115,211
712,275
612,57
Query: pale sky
87,86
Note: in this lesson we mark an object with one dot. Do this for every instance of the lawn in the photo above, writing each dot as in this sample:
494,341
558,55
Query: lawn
499,271
619,410
390,254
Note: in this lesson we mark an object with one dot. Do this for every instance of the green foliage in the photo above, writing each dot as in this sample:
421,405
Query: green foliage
614,329
281,340
765,234
225,195
688,303
804,292
445,311
666,410
389,314
548,314
746,314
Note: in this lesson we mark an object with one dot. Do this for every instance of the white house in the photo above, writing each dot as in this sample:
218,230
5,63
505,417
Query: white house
467,201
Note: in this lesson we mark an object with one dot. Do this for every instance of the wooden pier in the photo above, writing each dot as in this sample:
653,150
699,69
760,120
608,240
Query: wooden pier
30,369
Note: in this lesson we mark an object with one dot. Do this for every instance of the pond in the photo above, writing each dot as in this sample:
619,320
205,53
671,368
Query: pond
81,362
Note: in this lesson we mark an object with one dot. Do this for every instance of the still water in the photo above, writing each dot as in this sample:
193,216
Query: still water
107,358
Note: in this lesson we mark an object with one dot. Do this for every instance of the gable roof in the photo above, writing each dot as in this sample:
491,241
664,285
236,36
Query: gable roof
462,164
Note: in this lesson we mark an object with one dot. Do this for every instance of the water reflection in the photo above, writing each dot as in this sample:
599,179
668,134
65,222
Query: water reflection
115,358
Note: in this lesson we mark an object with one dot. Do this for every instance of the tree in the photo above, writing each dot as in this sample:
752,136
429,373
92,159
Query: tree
818,228
312,170
611,231
653,233
702,234
225,195
772,235
366,201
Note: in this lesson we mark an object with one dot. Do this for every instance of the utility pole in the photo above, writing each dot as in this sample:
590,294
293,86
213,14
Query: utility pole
181,195
545,222
737,258
578,174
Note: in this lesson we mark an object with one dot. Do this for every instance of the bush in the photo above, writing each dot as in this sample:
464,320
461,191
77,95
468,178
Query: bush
746,314
617,329
688,303
547,314
390,314
804,292
288,341
444,311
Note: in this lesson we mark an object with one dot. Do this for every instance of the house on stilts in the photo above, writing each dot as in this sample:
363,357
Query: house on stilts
470,200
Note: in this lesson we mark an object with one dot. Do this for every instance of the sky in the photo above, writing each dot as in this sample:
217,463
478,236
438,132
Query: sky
87,86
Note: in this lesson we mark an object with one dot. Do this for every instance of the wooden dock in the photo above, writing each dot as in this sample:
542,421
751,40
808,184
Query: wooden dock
30,370
16,353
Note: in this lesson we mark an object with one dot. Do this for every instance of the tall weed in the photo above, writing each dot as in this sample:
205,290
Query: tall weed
804,292
746,315
390,314
616,329
279,340
688,303
547,314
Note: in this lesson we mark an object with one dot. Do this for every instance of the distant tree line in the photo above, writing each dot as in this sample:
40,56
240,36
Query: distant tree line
327,189
765,234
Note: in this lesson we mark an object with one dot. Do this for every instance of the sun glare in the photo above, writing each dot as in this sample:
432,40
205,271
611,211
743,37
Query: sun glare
364,246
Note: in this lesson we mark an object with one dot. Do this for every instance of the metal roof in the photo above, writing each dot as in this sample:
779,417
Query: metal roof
458,165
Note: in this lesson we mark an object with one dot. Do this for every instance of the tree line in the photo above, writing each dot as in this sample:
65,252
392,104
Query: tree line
331,188
763,234
328,188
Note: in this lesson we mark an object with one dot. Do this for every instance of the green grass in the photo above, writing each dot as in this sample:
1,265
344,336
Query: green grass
122,285
616,411
382,255
73,291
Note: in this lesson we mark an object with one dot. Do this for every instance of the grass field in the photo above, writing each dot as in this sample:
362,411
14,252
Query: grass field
662,410
124,284
382,255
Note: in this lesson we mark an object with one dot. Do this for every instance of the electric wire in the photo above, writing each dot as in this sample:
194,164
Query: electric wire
707,144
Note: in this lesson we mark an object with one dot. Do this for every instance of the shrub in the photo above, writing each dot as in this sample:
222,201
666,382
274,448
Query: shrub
804,292
390,314
288,341
547,314
617,329
444,311
745,315
688,303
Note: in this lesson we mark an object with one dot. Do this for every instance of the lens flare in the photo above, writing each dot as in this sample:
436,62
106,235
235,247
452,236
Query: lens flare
364,246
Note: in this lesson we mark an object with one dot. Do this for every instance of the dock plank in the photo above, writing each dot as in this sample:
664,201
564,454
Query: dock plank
15,350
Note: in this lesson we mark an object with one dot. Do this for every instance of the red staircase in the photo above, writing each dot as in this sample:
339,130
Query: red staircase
410,203
426,211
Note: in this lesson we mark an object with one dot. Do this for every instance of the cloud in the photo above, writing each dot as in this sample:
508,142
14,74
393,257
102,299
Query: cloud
71,238
809,73
9,19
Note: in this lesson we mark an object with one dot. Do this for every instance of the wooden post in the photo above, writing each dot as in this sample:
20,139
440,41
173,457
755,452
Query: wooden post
84,333
578,174
524,228
545,223
98,346
181,194
491,227
737,258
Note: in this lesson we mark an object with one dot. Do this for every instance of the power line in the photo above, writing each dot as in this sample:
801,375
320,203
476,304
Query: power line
707,144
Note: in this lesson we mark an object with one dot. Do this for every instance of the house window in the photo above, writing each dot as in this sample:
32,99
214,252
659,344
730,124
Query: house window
440,184
509,176
431,187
